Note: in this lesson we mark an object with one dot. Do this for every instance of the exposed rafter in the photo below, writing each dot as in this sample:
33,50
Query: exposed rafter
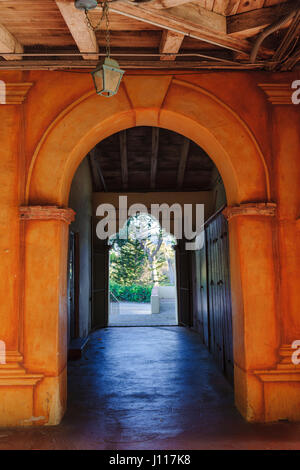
9,44
84,36
199,34
289,40
224,7
170,42
154,156
129,64
251,22
206,26
271,29
160,4
197,15
292,60
123,156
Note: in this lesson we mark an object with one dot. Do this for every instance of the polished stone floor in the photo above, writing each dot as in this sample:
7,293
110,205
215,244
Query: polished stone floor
150,388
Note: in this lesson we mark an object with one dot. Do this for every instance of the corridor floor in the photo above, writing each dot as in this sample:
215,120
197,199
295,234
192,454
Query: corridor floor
150,388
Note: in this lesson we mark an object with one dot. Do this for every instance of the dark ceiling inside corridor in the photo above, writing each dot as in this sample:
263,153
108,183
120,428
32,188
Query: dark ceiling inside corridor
150,159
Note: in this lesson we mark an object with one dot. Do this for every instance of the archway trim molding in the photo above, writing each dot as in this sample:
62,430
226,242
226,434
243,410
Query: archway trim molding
241,121
184,107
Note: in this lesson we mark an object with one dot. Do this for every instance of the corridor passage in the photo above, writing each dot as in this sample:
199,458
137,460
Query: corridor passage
150,388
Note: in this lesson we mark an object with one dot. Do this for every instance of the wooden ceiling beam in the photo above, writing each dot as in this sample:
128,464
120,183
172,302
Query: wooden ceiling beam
129,65
290,37
9,44
84,36
163,4
251,22
183,161
154,156
190,20
196,14
123,157
292,60
225,7
170,42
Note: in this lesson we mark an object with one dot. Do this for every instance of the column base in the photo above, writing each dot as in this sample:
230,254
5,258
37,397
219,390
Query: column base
29,399
281,388
16,392
269,395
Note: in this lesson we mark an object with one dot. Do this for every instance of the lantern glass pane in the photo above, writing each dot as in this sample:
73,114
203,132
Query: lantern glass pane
111,79
98,80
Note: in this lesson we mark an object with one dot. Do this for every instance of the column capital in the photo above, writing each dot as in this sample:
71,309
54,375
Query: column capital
16,93
46,213
278,93
252,208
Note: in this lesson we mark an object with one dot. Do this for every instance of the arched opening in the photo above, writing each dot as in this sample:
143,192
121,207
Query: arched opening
148,166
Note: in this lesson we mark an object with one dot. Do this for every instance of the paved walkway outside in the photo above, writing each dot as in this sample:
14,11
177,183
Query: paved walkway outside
150,388
139,314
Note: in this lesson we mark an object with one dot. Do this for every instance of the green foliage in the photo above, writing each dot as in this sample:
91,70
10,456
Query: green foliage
126,263
142,253
132,293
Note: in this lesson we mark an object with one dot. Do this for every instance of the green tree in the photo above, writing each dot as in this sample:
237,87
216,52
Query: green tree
126,261
142,253
154,241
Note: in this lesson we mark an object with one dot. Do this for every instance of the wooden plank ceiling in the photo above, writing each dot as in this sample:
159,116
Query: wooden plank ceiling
150,159
158,34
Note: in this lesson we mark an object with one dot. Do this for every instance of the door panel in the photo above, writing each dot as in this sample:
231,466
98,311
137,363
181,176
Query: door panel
219,294
184,291
100,282
73,286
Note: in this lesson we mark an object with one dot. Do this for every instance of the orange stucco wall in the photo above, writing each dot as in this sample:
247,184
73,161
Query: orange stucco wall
255,145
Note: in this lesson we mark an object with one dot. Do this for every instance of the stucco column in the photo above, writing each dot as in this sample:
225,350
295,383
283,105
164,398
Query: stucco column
284,380
45,306
285,124
10,327
16,386
263,370
286,137
254,312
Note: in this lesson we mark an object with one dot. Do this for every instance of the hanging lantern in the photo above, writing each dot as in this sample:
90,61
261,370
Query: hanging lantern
107,77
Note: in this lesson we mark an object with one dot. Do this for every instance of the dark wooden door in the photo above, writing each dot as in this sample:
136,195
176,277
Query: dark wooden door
73,286
203,295
219,294
100,281
184,288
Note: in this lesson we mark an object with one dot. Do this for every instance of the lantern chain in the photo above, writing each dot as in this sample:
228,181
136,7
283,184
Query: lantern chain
107,32
96,27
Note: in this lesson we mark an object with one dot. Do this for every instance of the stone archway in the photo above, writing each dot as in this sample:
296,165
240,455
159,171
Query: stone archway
200,116
178,106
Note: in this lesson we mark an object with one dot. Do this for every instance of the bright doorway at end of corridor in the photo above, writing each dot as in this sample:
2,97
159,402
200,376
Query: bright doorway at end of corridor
142,275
